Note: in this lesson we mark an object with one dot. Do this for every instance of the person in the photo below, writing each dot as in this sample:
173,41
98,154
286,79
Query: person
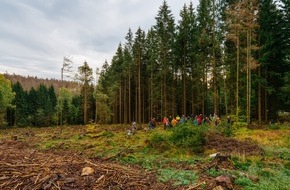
152,124
217,121
167,123
229,119
206,120
182,120
178,118
195,122
199,119
164,122
174,122
134,128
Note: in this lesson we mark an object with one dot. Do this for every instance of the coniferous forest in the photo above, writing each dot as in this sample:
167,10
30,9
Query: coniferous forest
225,57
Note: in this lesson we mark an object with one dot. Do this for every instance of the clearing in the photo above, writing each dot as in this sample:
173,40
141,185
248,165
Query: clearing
103,157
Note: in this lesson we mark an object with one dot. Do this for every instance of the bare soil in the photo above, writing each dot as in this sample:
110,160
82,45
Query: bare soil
232,146
22,167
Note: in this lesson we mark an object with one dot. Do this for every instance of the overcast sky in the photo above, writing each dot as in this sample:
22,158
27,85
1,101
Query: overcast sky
35,35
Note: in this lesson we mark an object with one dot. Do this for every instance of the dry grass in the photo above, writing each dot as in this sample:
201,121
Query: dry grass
268,137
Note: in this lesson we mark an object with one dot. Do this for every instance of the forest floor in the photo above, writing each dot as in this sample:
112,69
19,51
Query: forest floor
95,157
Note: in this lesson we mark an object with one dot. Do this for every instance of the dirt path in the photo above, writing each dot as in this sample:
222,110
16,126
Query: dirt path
23,168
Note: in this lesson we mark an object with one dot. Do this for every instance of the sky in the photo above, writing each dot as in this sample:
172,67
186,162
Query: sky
36,35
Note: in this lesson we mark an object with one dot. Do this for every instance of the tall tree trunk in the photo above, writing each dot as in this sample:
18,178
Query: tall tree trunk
214,62
120,103
248,73
265,98
143,107
192,95
259,98
151,93
225,96
250,76
125,103
165,94
86,105
129,98
237,80
139,87
184,83
115,108
173,92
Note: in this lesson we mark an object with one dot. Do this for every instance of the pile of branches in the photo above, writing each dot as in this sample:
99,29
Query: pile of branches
24,168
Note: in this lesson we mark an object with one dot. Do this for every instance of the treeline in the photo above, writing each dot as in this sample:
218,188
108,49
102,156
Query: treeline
227,57
41,106
31,81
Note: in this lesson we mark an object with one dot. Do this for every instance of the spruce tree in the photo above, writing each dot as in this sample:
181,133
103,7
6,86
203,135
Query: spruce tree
85,76
21,107
165,29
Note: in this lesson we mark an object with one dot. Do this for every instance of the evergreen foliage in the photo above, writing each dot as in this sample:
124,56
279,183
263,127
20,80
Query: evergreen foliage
227,57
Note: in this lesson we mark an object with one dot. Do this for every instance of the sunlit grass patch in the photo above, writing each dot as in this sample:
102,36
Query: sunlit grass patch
265,137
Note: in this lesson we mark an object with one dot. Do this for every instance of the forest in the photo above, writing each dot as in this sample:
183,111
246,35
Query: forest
230,58
226,58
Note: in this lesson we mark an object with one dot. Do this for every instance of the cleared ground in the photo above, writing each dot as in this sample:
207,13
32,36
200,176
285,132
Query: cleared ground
105,158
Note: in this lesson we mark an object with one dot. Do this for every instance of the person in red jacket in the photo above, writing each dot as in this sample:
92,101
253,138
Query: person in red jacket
199,119
164,122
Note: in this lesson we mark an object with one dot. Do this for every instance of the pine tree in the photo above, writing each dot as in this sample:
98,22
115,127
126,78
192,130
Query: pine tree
85,76
165,29
204,48
21,107
32,105
128,60
273,57
138,53
154,94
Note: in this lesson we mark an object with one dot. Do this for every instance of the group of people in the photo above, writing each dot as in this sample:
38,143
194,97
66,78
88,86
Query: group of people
202,119
196,120
169,122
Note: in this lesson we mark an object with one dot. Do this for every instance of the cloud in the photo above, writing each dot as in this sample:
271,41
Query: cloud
35,35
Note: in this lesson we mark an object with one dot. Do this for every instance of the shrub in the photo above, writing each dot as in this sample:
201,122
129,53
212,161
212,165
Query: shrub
226,129
189,136
159,141
185,136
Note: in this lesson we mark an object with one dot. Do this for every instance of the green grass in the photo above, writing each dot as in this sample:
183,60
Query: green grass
274,178
178,177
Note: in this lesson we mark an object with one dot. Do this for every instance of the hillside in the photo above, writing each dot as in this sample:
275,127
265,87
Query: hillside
31,81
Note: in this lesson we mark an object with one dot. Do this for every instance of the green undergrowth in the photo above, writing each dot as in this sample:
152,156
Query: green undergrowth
178,177
274,177
185,137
